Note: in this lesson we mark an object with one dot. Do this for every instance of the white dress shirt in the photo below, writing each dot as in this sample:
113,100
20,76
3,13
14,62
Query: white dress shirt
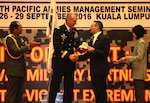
95,36
68,28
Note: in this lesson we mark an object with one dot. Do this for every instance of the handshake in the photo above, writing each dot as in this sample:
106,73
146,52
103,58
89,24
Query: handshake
73,57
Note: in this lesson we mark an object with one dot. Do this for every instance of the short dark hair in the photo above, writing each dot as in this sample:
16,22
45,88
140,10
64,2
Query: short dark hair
100,24
13,25
139,31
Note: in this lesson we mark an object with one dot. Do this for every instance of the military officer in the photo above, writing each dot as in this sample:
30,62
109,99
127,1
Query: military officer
15,62
65,41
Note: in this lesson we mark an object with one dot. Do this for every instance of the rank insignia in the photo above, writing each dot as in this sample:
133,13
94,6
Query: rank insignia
63,37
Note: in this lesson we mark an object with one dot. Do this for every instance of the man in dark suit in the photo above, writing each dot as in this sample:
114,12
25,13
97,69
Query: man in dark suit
15,63
98,52
65,40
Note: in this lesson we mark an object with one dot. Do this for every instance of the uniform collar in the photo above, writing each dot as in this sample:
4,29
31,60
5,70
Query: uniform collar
13,35
68,28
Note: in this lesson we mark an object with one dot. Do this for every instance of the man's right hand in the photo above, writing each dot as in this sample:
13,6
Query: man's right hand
33,44
73,57
50,71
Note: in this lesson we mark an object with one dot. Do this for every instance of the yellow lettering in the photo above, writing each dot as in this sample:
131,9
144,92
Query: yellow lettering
92,95
2,54
79,74
115,50
41,92
89,77
88,95
127,96
119,75
123,75
35,94
37,75
117,95
147,95
2,95
110,95
46,53
148,75
30,96
76,91
2,75
37,54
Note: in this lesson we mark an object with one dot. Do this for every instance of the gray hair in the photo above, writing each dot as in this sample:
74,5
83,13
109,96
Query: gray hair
70,15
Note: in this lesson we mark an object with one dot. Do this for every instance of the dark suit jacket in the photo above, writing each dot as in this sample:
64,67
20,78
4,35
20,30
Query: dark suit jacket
64,41
98,60
15,64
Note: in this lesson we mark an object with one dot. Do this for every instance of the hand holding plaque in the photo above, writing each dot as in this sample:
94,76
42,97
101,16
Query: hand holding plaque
84,46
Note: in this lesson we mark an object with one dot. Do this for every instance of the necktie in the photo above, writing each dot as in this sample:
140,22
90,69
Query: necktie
92,38
70,30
